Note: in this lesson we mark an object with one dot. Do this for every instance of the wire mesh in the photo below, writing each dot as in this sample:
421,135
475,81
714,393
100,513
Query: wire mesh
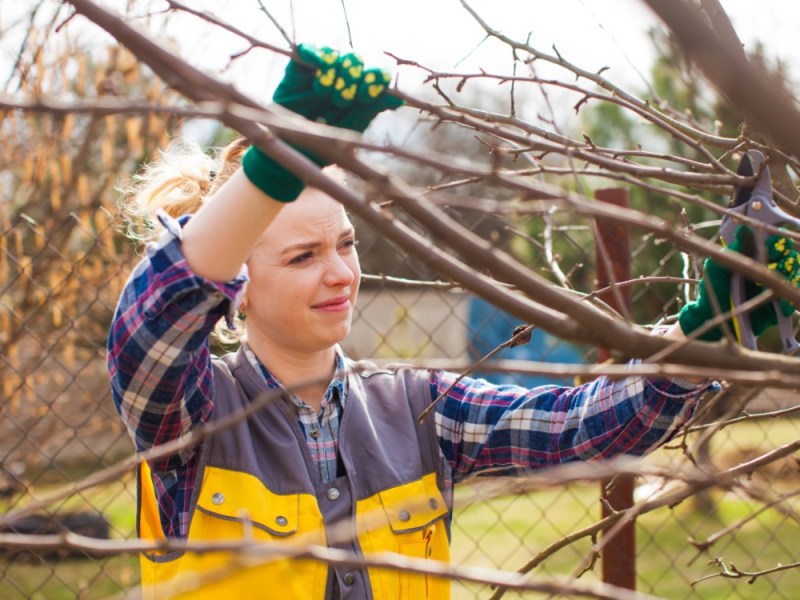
60,280
59,425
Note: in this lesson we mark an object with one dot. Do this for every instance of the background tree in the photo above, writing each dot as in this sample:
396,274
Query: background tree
62,260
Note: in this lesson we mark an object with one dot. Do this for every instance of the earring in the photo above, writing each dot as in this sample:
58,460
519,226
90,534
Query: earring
241,315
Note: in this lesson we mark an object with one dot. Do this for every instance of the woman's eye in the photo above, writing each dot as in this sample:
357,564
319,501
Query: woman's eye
300,258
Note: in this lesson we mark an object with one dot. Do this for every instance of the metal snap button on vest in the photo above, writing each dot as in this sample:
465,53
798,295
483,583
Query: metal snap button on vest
282,521
404,516
218,498
433,503
349,578
333,494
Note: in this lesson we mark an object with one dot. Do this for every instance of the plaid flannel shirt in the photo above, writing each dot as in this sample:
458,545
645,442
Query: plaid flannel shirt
161,379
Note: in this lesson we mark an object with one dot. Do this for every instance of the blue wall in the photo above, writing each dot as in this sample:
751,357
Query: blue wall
489,327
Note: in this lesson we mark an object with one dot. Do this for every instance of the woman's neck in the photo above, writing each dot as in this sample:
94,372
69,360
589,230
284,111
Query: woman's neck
307,374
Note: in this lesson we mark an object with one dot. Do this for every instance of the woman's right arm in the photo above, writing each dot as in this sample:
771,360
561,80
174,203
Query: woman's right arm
219,238
158,352
158,345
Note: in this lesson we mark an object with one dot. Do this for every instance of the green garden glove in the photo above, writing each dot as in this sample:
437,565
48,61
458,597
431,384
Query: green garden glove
327,87
783,258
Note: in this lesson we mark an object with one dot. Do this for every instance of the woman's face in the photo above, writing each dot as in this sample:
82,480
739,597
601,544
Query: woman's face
304,276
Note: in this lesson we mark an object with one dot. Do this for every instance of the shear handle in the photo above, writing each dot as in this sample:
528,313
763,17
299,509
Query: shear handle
744,327
741,321
786,330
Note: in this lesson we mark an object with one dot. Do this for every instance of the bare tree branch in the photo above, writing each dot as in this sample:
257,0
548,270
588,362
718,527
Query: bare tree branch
770,108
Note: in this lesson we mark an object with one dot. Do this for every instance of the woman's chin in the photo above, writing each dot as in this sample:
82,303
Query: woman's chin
335,335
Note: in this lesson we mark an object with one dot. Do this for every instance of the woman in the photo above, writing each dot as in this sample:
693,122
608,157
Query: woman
343,440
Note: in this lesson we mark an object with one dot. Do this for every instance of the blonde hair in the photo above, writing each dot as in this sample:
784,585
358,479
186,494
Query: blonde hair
178,183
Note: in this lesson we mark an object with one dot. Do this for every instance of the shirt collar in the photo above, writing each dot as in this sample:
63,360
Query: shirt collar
336,392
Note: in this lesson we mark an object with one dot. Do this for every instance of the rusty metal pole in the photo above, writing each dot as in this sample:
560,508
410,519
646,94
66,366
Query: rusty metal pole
618,557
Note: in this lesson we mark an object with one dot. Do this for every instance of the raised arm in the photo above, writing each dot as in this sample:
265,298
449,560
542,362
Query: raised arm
158,348
320,84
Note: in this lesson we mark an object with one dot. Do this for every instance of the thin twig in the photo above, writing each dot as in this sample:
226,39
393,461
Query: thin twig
347,24
275,22
523,334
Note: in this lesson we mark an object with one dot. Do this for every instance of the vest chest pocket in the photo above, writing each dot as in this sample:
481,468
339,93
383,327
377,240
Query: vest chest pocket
413,506
233,504
415,512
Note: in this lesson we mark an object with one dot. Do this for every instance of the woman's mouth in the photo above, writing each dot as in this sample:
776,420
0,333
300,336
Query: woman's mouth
334,304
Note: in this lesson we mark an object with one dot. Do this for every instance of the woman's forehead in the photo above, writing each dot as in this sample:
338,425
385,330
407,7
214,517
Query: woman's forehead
308,219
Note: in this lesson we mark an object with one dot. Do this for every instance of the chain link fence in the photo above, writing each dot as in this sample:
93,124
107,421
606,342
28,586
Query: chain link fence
59,280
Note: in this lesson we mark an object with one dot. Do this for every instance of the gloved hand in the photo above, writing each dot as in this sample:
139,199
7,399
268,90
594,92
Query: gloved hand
783,258
327,87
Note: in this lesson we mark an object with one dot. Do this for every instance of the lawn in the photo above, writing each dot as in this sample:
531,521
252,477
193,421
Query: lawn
55,578
508,532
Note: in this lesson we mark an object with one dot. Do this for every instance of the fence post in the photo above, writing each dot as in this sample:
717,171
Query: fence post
618,557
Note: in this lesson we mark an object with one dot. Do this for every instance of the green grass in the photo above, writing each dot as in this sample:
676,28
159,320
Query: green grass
506,532
67,579
55,578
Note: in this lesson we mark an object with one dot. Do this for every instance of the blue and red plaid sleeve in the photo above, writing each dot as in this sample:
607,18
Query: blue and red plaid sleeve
159,361
158,346
511,429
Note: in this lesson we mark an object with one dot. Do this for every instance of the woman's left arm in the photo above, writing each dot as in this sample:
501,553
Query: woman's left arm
484,426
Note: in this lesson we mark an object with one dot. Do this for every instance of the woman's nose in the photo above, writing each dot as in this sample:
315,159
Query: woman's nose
338,272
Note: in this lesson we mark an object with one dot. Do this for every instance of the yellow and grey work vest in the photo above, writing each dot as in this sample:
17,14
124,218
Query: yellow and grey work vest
257,483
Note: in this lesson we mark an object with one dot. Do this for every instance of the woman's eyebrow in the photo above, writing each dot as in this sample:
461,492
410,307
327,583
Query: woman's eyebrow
311,245
297,247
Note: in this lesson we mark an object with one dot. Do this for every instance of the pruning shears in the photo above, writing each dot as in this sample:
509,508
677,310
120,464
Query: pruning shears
757,203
